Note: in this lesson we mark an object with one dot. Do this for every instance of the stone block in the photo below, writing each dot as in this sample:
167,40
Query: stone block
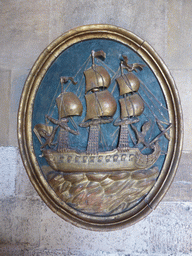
171,229
8,161
24,187
179,36
24,32
18,77
146,20
5,84
57,234
64,252
183,79
26,222
12,250
6,221
181,188
20,221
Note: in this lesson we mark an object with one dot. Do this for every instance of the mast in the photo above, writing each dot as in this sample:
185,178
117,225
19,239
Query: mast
131,104
101,106
68,105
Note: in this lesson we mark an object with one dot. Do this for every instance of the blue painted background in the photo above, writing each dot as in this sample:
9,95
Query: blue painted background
68,64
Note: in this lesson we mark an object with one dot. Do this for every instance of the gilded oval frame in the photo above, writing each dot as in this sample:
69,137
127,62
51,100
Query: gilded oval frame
148,54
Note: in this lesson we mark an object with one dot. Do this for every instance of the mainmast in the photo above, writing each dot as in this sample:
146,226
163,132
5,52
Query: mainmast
101,105
131,103
68,105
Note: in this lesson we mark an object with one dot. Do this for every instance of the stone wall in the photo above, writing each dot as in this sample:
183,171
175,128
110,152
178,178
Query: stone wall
27,225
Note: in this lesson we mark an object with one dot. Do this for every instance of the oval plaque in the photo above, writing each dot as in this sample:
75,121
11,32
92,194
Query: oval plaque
100,127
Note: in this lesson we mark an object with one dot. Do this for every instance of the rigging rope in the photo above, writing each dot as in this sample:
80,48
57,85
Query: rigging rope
156,118
105,65
133,140
103,139
156,106
53,100
153,95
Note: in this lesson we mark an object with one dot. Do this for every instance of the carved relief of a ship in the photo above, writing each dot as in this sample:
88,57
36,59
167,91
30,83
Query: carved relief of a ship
100,109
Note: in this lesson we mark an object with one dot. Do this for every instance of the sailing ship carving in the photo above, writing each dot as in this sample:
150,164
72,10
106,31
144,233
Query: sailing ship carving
100,109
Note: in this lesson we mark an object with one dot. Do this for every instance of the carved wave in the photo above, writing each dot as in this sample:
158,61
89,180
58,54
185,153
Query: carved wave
102,194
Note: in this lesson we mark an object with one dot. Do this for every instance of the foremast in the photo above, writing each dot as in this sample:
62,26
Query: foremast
101,106
68,105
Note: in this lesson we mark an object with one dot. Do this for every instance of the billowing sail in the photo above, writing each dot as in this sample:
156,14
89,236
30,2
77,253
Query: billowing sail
96,77
131,106
128,83
100,104
69,105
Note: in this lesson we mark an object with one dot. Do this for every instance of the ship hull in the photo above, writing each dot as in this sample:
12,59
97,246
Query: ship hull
117,160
